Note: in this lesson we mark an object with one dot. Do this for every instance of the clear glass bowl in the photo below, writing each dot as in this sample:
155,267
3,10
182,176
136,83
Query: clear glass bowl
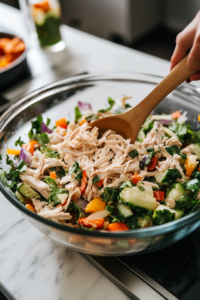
58,100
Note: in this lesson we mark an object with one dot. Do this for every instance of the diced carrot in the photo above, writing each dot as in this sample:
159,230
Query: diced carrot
82,122
62,123
176,114
98,223
100,183
159,195
83,182
153,163
33,142
136,178
30,207
53,175
29,147
117,227
42,5
13,151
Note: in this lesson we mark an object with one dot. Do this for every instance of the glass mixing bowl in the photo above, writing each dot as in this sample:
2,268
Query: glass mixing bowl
58,100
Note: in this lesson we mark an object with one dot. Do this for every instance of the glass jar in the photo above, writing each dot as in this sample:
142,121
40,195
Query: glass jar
46,16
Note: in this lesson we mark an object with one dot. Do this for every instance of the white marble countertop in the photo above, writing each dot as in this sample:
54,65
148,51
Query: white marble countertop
32,266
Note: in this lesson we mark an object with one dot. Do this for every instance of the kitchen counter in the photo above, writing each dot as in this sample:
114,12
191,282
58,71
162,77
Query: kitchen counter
32,266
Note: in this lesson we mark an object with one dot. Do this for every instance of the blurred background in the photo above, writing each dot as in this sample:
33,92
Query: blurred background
148,26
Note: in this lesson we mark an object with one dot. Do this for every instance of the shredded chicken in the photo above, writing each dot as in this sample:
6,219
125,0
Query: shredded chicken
55,214
37,184
173,142
170,203
189,150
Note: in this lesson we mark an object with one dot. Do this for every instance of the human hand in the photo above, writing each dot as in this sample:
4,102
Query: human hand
188,39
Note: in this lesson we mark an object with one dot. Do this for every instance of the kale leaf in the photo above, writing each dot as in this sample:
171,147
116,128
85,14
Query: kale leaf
133,153
48,152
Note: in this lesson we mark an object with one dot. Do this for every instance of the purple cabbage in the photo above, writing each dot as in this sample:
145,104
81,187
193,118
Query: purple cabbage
82,203
25,156
165,122
142,163
84,106
44,128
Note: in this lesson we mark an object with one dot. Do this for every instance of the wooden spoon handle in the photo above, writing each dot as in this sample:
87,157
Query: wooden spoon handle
180,73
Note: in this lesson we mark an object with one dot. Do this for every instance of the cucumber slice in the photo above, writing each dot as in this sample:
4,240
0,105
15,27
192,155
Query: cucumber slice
124,210
27,191
159,176
20,197
169,132
62,197
197,150
164,214
176,192
136,197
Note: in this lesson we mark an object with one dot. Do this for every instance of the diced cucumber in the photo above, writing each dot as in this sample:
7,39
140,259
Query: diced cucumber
20,197
159,176
197,150
164,214
176,192
169,132
141,135
62,197
136,197
27,191
161,117
124,210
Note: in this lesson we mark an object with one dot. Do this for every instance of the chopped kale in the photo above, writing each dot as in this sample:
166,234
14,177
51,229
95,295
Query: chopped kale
194,136
55,191
111,102
141,188
42,138
14,172
133,153
76,170
19,142
172,150
109,195
95,179
180,129
110,208
147,126
170,176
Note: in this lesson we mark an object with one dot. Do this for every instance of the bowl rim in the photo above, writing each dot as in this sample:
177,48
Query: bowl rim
18,60
137,233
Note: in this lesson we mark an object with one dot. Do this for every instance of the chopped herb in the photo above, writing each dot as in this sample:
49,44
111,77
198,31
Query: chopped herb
141,188
127,105
91,117
48,121
19,142
149,157
125,184
75,169
14,172
172,150
0,157
110,208
180,129
55,191
42,138
95,179
133,153
48,152
111,102
78,114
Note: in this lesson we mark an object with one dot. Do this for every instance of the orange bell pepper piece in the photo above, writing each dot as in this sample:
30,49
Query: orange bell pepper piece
117,227
30,207
53,175
62,123
13,151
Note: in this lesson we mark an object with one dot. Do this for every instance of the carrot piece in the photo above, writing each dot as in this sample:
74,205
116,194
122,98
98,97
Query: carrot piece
33,142
82,122
83,182
98,223
29,147
42,5
153,163
30,207
62,123
136,178
53,175
13,151
100,183
159,195
117,227
176,114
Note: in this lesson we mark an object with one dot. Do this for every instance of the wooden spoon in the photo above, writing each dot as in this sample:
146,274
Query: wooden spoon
129,123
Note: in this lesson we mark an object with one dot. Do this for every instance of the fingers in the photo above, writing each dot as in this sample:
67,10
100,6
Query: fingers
193,61
184,42
195,77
